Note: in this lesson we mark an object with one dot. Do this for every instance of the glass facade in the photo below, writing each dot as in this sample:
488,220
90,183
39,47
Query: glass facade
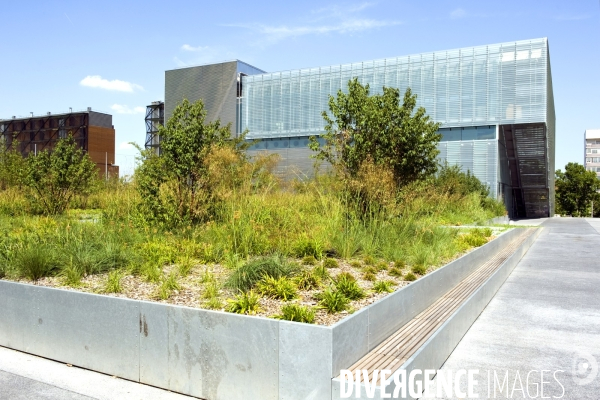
486,85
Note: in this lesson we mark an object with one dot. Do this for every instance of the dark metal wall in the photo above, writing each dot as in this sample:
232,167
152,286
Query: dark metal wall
215,84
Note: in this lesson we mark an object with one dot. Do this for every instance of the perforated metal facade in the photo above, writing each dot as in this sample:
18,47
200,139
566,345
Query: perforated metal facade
216,85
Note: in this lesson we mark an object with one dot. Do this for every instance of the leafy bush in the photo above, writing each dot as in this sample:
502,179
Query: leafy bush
348,286
167,286
382,266
395,271
321,272
56,177
244,303
368,260
330,263
333,301
278,288
113,282
250,273
419,269
308,280
309,260
184,265
383,287
399,264
211,289
34,262
150,272
297,313
214,303
410,277
305,246
71,275
355,264
369,276
370,270
474,238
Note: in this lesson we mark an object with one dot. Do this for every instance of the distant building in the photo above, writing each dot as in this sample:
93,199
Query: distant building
93,132
592,150
495,105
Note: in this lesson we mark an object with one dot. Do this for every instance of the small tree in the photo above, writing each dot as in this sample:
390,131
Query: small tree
380,128
575,190
56,176
174,185
12,167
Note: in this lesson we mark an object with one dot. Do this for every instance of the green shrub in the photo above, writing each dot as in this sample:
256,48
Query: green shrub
278,288
71,275
395,271
184,265
113,282
211,289
369,260
382,266
369,276
333,301
410,277
474,238
297,313
214,303
308,247
167,286
347,285
309,260
321,272
419,269
244,303
399,264
370,270
34,262
355,264
250,273
207,276
151,272
383,287
330,263
308,280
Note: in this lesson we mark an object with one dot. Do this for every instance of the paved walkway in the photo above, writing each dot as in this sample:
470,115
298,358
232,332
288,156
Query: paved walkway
546,316
26,377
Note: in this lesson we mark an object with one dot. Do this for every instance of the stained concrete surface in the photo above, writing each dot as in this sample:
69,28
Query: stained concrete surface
546,316
24,376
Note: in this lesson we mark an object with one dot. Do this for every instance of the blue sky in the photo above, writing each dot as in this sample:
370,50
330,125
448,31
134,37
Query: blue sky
111,56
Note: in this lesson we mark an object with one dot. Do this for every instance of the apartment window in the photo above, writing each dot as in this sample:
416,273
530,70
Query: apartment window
588,151
588,160
596,159
594,151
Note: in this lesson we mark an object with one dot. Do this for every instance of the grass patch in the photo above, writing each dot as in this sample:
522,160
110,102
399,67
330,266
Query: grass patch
383,287
297,313
333,301
249,274
113,282
244,303
278,288
347,285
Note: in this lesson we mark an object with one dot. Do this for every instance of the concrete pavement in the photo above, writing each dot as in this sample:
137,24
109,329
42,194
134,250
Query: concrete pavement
546,316
25,377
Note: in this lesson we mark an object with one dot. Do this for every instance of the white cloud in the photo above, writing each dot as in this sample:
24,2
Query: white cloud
123,109
187,47
341,20
96,81
126,146
458,13
281,32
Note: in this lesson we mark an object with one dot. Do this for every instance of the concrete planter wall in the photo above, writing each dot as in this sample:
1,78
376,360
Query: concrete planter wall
211,354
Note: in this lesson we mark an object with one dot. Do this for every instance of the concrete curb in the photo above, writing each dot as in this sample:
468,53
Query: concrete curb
212,354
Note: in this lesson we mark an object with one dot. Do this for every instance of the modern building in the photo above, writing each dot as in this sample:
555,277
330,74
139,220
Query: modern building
93,132
592,150
494,103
